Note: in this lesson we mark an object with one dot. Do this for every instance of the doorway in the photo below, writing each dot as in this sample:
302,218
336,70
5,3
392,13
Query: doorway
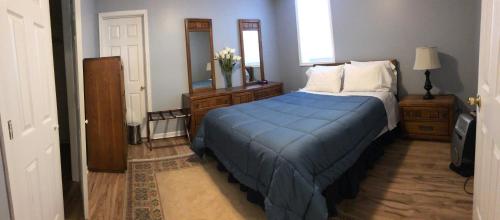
125,34
64,74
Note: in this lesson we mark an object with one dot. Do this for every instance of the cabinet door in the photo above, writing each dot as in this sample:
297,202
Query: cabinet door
105,115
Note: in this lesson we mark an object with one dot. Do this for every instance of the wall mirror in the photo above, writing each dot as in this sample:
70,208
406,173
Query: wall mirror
252,65
199,50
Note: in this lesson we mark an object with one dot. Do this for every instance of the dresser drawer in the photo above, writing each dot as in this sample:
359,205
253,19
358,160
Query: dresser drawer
267,93
212,102
242,97
425,114
427,128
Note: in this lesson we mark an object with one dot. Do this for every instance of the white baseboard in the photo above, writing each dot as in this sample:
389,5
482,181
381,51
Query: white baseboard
168,135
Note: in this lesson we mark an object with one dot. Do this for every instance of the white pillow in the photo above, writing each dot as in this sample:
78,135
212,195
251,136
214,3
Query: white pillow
321,69
363,78
389,74
324,79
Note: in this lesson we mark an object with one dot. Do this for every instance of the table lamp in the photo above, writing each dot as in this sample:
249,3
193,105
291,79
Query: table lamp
427,58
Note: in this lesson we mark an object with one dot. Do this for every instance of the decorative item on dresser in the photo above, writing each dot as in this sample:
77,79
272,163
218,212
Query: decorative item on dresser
105,113
428,119
227,60
198,104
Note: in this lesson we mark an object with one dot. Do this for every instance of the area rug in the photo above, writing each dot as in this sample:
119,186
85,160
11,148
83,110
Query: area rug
185,187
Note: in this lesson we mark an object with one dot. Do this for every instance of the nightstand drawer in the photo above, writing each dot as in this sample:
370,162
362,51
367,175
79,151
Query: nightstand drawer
425,114
427,128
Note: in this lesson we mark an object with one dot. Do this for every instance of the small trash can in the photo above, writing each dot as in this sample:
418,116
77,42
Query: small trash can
134,133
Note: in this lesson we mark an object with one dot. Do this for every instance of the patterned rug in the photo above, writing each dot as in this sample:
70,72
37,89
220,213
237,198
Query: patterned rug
143,199
143,194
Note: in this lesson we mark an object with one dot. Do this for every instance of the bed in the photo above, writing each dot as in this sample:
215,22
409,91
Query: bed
291,148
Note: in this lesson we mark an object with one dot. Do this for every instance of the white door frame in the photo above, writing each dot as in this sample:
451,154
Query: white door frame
81,107
147,70
71,90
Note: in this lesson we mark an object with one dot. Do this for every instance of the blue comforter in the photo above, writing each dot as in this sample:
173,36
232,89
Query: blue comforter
291,147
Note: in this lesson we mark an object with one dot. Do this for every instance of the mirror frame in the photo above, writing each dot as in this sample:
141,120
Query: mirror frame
250,24
199,25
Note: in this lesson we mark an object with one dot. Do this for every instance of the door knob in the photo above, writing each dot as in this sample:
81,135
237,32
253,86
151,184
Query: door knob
142,88
475,101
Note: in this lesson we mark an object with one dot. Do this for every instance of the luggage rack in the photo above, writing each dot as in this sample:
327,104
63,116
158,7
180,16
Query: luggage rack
166,116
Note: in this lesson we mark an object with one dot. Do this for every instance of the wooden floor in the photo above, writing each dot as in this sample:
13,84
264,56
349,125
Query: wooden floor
411,181
107,190
73,201
161,148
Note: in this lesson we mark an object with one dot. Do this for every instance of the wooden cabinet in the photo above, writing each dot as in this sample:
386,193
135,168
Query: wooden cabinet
428,119
198,104
105,112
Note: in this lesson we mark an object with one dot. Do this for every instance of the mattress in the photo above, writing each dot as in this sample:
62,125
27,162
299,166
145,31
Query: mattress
291,147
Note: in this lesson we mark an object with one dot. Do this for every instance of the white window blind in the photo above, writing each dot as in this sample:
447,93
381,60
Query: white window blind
315,34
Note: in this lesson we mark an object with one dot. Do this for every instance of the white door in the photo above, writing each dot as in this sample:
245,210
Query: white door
28,110
123,36
487,170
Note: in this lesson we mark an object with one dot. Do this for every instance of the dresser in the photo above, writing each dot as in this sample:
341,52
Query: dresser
198,104
428,119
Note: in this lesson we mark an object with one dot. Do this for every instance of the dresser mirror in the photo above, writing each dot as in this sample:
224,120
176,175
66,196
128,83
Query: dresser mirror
252,65
199,50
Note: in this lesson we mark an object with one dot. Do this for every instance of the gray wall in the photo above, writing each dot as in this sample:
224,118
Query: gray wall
377,29
363,30
90,29
167,41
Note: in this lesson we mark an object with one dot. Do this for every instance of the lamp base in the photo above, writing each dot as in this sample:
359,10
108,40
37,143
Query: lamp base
428,86
428,96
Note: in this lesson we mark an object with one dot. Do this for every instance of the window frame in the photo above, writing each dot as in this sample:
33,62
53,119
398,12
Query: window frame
307,64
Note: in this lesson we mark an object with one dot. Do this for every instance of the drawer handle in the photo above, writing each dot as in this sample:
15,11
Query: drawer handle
426,128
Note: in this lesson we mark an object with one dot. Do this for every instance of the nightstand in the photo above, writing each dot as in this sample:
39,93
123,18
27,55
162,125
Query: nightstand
428,119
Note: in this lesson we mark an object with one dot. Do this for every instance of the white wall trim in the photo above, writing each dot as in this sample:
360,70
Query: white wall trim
81,106
170,134
147,67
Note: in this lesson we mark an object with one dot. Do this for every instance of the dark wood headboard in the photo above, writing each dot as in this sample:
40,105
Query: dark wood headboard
393,61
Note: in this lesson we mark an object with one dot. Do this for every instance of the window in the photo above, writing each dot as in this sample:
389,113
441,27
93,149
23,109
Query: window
315,34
